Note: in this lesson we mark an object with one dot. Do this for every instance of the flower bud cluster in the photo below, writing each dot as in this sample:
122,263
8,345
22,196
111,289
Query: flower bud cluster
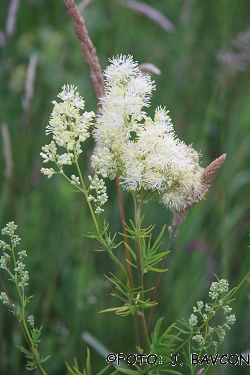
4,298
9,231
100,190
200,340
18,275
75,180
193,320
217,292
31,320
218,288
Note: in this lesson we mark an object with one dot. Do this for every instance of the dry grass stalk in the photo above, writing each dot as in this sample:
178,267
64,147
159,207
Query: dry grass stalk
2,39
7,151
11,18
84,5
186,11
208,172
237,57
88,50
152,13
146,68
30,82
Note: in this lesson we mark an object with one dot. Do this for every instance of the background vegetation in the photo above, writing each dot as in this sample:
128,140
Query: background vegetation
205,65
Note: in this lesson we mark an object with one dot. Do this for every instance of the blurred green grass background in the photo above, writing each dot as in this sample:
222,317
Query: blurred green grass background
205,65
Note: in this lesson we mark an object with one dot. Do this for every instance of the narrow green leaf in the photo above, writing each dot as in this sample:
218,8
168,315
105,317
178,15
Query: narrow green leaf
88,371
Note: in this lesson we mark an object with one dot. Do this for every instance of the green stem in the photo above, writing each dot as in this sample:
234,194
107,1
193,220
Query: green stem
21,296
100,238
86,195
113,257
138,250
124,231
128,255
171,238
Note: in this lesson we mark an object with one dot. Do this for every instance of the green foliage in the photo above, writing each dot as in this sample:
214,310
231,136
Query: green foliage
131,297
31,363
150,257
75,370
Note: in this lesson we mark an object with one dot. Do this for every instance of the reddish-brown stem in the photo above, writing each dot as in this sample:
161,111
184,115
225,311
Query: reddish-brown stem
177,220
156,291
128,256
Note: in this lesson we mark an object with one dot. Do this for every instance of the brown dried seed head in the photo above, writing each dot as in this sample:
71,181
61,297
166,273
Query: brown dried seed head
87,47
206,176
208,172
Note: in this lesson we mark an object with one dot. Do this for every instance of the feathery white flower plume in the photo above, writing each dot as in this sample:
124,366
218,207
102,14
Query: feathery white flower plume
144,152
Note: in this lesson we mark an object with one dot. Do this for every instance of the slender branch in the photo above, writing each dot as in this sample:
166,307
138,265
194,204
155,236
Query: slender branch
21,296
39,367
100,238
138,250
7,151
124,231
128,256
86,194
145,346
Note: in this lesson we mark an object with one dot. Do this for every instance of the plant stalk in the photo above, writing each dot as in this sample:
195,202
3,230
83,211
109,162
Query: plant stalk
138,250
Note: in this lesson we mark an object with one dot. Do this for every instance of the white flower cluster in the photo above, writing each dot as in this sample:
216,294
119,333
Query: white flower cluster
144,152
69,128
